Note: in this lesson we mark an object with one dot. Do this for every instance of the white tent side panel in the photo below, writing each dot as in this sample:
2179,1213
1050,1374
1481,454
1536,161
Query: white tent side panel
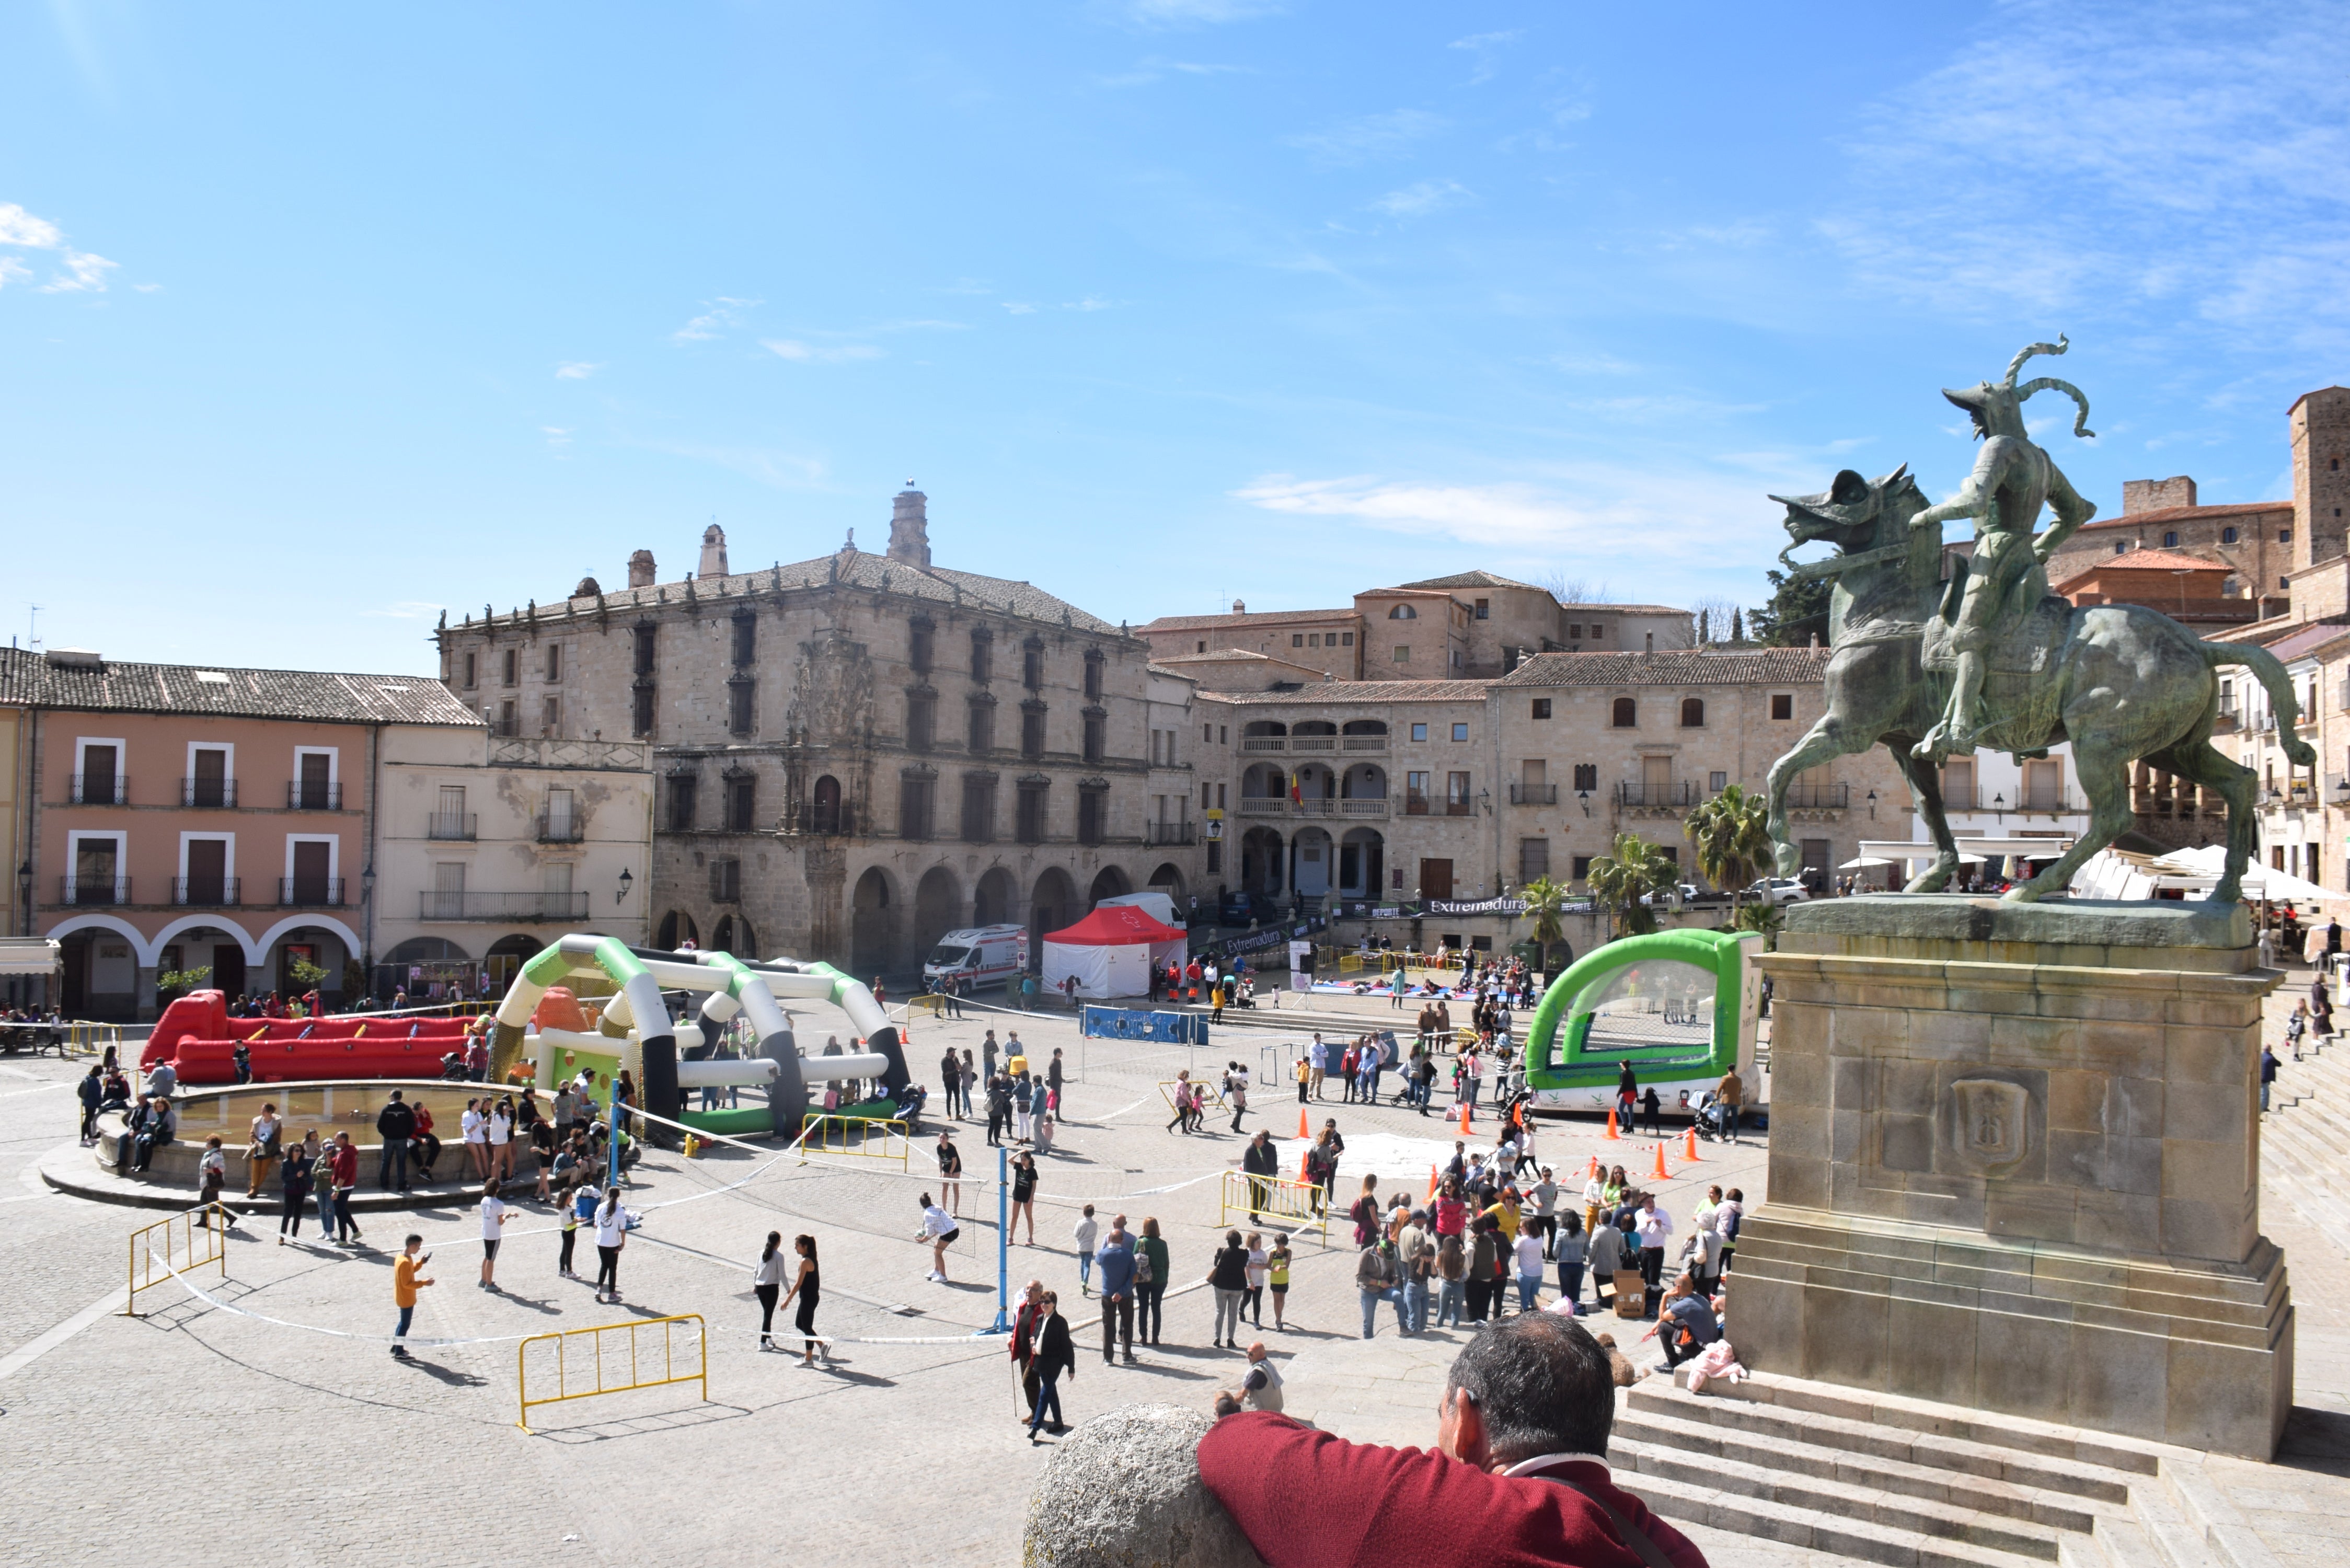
1101,972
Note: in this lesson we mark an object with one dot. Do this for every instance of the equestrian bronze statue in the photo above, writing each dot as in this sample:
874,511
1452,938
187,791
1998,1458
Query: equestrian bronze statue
1990,658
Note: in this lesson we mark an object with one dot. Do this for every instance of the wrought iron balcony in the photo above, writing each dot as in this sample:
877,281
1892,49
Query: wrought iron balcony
310,892
208,792
1534,795
314,795
543,908
455,824
100,789
1170,833
94,889
1677,795
562,827
207,892
1820,797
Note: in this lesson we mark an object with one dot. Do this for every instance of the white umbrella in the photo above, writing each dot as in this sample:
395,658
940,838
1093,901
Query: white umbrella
1866,862
1970,859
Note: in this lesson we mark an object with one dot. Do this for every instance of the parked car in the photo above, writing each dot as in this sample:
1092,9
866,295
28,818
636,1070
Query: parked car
1240,909
1778,890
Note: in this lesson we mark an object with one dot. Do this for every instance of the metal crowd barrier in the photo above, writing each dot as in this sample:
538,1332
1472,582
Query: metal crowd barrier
616,1373
178,1237
855,1137
1275,1198
1209,1093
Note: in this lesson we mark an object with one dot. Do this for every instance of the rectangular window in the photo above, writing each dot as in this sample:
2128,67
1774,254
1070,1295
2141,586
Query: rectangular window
1092,815
644,649
739,706
914,806
922,720
1456,794
1542,707
746,639
1205,804
550,715
471,667
1419,732
1032,665
1207,734
1297,639
983,655
1484,609
1415,795
681,804
1534,858
507,721
1094,662
1032,730
313,785
1586,775
554,661
1220,797
1716,782
209,783
983,729
1346,639
725,881
1460,732
1215,857
513,664
918,647
1096,728
1223,736
1783,705
742,804
1030,823
1574,634
641,712
1403,653
978,809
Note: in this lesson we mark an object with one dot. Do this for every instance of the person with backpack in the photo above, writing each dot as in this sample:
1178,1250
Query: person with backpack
1150,1276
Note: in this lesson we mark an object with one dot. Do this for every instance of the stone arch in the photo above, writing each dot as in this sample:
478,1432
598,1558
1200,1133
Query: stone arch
1169,880
1109,882
1363,780
938,908
825,813
1264,781
733,935
993,905
1362,863
872,924
1260,863
506,956
1311,871
1052,904
676,927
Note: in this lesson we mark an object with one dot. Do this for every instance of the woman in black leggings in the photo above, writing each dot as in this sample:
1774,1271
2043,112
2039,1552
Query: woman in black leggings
806,1286
297,1178
767,1283
611,1235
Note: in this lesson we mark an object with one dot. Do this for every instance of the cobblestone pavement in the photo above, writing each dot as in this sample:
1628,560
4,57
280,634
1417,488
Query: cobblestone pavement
323,1448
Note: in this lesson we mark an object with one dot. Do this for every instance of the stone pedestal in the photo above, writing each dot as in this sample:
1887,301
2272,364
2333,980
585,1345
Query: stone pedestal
2015,1165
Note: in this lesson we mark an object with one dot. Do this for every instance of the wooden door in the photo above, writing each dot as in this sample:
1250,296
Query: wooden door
1436,878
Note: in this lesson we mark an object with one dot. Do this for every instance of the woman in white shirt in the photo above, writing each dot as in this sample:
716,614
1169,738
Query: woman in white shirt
477,1148
938,1229
767,1284
494,1226
1260,1266
500,1130
611,1235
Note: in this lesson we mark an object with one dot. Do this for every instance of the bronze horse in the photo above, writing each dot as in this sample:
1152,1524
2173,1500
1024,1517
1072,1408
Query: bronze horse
2122,683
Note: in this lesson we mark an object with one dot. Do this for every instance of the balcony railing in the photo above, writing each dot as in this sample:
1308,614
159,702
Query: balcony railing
207,791
541,908
207,892
1170,833
1362,805
1263,806
1679,794
1819,798
1362,742
1313,743
1264,742
314,795
1415,805
1323,805
94,889
452,824
1459,808
310,892
506,729
1534,795
100,789
562,827
828,822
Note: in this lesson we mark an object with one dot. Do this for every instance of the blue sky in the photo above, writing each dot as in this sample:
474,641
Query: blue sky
318,319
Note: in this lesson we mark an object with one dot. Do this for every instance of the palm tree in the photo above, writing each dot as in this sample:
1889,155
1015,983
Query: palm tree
1732,834
1545,903
1633,869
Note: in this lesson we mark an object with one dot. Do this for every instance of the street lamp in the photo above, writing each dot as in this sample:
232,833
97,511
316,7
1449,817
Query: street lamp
626,881
1872,805
25,894
1584,795
1485,799
367,882
1999,805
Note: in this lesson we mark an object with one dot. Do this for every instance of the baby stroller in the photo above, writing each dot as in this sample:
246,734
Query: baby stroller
1711,1118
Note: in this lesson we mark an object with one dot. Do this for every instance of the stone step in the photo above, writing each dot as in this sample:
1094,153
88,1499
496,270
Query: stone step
1784,1479
2035,1508
2012,1465
1815,1530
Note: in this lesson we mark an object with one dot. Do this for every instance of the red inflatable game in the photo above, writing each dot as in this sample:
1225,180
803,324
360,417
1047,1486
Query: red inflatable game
199,1038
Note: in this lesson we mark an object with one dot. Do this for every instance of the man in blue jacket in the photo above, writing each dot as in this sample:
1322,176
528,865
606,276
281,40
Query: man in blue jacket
1116,1263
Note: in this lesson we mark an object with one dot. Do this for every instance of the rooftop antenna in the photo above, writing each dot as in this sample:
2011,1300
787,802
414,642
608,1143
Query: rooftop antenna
33,627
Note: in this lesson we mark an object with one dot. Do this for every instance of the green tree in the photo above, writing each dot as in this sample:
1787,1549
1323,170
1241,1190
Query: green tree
1797,612
1631,870
1545,903
172,982
1732,834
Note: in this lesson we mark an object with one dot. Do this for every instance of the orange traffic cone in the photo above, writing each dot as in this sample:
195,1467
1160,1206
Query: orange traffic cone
1688,1146
1431,1181
1464,1117
1660,1173
1303,1131
1613,1136
1593,1170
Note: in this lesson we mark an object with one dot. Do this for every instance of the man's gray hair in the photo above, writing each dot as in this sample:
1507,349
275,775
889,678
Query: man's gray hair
1542,1385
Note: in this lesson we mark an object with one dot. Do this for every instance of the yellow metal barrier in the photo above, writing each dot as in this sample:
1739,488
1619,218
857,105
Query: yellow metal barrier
929,1003
178,1236
607,1372
1273,1198
1210,1094
853,1137
1351,964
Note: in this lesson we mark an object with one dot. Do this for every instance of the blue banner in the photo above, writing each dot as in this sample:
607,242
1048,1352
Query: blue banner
1130,1023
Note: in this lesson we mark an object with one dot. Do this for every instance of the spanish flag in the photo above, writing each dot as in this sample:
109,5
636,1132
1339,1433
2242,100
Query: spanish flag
1295,793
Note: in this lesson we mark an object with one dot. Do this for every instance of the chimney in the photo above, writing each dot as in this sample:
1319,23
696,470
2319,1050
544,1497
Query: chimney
641,569
910,528
713,551
2156,494
1240,606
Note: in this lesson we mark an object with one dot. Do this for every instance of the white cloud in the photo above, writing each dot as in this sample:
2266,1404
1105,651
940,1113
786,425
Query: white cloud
1369,136
1428,196
818,354
1194,12
1155,70
85,271
13,271
148,287
85,274
555,435
19,228
1090,302
719,316
1487,47
1017,308
575,370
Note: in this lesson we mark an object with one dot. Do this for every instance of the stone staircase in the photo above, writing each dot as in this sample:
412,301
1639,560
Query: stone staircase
1879,1479
2305,1137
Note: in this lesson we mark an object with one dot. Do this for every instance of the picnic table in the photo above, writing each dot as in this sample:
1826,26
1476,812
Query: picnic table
31,1037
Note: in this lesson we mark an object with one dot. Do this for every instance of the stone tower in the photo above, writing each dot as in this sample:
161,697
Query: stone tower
641,569
713,551
2321,484
910,528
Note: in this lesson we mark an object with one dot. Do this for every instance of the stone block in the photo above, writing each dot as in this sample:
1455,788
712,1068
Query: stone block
1801,1180
2022,1367
1844,1338
1124,1490
1931,1351
1796,1081
2120,1382
1770,1321
2229,1400
2077,1100
1849,1082
2220,1232
2125,1222
2213,1116
2123,1049
2200,1056
2137,1107
1906,1143
2195,1169
1849,1133
1905,1087
2028,1211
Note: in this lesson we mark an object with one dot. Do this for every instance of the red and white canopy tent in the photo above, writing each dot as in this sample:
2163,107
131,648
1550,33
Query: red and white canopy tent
1110,952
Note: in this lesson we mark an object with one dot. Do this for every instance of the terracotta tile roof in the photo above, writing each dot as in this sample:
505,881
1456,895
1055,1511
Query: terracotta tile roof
1588,609
119,687
1251,618
2185,514
1694,666
2147,561
1472,580
1327,692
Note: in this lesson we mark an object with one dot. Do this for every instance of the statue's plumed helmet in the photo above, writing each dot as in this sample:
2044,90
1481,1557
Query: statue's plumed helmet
1994,403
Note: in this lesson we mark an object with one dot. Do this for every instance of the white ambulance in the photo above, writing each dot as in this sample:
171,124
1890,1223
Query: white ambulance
979,956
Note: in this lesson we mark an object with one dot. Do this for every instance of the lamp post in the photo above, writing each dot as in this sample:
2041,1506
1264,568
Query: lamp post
25,896
1584,795
625,880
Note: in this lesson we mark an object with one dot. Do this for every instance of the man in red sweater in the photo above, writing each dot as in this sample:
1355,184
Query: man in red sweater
1518,1478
